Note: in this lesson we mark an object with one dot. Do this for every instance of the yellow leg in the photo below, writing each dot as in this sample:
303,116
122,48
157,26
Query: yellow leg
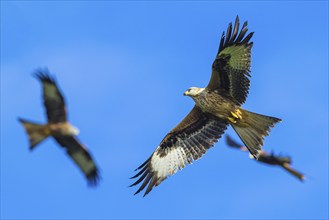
234,115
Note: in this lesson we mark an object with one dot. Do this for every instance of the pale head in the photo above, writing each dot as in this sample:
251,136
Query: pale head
73,130
193,91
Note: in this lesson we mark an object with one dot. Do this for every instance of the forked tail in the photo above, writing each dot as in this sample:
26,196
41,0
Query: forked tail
252,128
36,132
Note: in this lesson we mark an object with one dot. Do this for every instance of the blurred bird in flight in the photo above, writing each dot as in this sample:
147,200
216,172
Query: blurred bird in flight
270,159
59,128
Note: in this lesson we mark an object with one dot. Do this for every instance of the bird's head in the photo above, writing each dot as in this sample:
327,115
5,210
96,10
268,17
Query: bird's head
74,130
193,91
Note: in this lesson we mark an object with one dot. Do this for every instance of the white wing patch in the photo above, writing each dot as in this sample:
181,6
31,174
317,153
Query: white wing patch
183,152
168,165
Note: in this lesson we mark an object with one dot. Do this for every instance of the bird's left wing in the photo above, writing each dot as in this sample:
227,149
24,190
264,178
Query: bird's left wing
81,157
188,141
230,70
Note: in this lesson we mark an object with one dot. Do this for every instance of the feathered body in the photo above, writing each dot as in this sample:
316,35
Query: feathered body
216,106
214,103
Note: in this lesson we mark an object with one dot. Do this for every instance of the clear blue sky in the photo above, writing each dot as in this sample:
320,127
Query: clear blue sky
123,67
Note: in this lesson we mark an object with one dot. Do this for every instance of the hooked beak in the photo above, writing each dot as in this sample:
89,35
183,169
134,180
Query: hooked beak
185,93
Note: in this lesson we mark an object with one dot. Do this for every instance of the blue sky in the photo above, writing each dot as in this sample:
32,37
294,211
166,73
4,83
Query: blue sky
123,67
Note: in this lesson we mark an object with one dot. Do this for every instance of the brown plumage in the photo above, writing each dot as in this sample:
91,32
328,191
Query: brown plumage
216,106
59,128
270,159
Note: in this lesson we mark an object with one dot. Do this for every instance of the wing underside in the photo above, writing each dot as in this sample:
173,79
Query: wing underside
187,142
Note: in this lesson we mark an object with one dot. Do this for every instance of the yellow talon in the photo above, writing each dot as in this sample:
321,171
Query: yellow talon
232,120
236,115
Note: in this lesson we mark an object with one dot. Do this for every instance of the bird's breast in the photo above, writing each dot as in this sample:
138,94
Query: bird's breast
215,104
61,128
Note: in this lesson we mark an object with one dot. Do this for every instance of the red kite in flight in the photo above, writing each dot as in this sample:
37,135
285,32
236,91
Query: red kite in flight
216,106
269,159
59,128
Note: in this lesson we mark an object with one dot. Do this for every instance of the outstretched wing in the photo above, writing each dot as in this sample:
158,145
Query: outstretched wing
188,141
52,97
81,157
294,172
230,70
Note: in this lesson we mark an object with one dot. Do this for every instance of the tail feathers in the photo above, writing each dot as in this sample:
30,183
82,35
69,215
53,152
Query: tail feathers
36,132
297,174
252,128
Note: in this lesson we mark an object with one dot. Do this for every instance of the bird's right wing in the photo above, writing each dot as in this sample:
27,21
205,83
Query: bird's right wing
188,141
52,97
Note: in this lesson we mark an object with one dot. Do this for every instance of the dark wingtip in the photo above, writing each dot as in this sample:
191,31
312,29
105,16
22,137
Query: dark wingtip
43,74
140,172
149,189
138,191
246,39
40,72
245,24
234,36
94,178
143,164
